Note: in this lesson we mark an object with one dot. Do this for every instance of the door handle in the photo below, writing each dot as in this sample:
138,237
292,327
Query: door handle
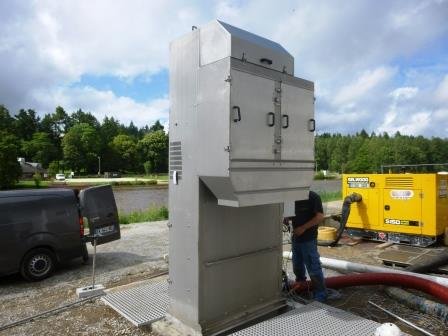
285,121
271,119
236,114
311,125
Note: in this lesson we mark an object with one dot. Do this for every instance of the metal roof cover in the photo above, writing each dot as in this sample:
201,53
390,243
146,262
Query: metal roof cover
219,40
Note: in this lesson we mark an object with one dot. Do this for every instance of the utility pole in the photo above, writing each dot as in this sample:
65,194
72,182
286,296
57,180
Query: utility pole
99,165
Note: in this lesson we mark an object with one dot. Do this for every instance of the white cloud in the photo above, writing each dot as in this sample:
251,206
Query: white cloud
352,50
404,114
404,93
362,85
442,90
105,103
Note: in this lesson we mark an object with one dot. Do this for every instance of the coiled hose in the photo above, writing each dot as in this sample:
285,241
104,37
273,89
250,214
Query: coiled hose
346,205
389,279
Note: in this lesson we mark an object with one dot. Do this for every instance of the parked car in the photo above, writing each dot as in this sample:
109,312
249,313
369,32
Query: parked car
40,229
60,177
112,174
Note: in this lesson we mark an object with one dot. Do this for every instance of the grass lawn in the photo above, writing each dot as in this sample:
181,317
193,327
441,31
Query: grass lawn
328,196
30,184
150,215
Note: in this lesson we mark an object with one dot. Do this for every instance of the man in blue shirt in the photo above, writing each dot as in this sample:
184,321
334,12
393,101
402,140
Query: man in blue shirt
308,215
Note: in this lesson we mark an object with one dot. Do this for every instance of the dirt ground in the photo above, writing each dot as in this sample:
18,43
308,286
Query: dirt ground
139,256
136,256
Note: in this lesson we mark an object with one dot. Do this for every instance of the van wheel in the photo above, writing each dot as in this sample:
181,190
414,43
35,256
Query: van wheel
38,264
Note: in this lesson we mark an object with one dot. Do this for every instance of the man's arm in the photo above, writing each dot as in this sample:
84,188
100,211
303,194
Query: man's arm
318,218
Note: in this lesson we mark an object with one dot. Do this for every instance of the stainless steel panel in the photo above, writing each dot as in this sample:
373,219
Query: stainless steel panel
212,156
230,232
215,43
313,319
297,140
183,291
229,287
256,70
251,137
274,179
219,40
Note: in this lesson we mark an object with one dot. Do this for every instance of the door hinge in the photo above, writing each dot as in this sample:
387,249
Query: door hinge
228,79
227,149
422,195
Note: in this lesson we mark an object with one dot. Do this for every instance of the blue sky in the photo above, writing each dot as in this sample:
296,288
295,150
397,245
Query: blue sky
141,88
377,65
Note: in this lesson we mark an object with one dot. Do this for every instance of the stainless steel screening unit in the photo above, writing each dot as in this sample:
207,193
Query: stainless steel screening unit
241,144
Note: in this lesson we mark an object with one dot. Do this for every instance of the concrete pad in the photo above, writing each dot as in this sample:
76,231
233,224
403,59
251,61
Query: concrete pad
85,292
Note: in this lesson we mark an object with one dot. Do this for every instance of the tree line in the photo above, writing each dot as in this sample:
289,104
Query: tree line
78,142
364,153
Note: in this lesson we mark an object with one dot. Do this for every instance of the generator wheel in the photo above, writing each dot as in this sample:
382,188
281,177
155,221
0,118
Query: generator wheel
38,264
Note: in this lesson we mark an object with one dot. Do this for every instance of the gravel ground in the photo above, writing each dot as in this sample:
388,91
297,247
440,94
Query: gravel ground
137,256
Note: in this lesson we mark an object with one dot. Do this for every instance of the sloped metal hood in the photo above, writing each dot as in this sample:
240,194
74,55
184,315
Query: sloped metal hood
219,40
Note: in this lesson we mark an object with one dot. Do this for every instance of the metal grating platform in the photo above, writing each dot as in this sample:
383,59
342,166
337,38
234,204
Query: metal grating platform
313,319
140,305
403,255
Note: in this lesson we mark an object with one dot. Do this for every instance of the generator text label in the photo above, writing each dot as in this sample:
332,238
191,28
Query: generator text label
358,182
406,222
402,194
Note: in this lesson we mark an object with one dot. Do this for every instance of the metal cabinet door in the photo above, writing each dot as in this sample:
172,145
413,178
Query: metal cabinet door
98,206
297,122
251,114
402,210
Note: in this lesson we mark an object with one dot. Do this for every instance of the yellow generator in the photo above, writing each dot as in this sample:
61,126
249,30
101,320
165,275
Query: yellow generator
402,208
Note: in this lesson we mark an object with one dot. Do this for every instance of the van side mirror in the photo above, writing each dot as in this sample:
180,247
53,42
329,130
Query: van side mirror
98,206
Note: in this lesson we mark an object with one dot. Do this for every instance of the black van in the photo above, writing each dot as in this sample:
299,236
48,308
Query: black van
42,228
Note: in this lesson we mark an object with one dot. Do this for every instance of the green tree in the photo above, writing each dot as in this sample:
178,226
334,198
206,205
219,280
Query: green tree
109,129
157,126
26,123
81,117
10,170
154,148
6,121
124,148
40,149
53,168
81,148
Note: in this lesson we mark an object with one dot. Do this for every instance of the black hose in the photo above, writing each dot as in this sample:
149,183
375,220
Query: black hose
352,198
427,266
